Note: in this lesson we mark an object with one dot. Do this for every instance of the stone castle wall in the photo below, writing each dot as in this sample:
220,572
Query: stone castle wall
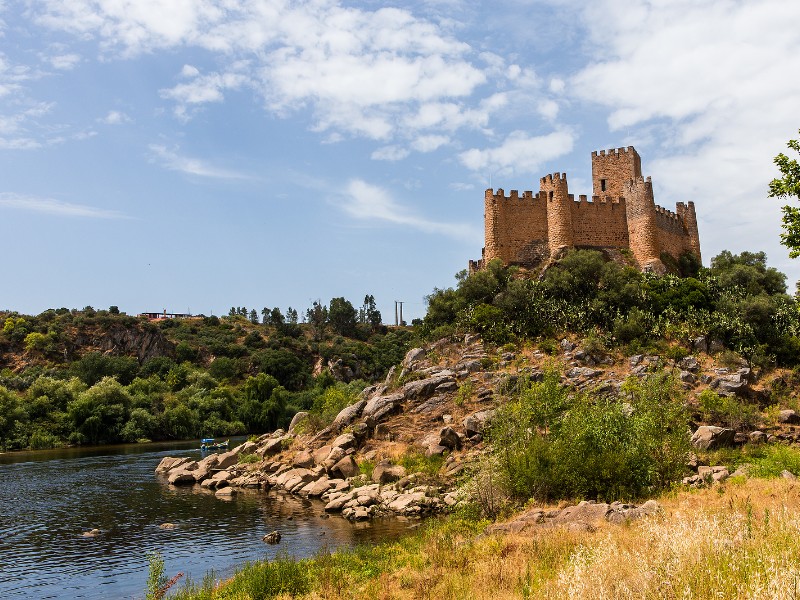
527,229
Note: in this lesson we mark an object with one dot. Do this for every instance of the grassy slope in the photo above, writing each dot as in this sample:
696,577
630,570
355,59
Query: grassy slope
738,540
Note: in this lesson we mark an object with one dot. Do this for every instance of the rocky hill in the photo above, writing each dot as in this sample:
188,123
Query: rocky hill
407,445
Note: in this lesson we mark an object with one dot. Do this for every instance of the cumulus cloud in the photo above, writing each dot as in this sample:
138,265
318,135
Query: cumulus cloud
64,62
115,117
368,202
390,153
365,73
55,207
519,153
173,161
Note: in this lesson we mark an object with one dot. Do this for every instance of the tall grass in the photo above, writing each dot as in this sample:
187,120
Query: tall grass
740,540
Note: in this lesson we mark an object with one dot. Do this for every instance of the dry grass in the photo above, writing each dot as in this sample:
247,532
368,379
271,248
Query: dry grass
740,540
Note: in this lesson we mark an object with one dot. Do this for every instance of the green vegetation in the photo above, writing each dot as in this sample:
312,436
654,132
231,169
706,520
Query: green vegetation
95,376
739,302
788,186
551,443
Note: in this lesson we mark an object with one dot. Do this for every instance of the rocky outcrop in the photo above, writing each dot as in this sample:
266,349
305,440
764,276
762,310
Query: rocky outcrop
120,339
583,516
709,437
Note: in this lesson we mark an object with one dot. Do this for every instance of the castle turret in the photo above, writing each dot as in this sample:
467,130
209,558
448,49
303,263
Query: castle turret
640,208
612,170
559,211
689,218
490,218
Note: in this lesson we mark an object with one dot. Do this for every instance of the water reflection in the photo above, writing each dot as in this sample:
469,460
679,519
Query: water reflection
49,498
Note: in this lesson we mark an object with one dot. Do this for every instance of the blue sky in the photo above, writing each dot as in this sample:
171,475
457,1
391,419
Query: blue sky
199,154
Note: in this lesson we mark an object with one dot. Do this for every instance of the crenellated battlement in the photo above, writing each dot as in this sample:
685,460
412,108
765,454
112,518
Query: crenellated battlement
613,152
526,228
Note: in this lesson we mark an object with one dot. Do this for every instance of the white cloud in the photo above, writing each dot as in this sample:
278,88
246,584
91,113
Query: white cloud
56,207
369,202
363,73
519,153
173,161
429,143
65,62
115,117
390,153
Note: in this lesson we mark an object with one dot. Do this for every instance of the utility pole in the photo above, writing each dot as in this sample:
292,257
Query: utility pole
400,302
396,322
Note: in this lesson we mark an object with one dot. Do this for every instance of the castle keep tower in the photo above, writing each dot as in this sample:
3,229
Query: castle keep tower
528,229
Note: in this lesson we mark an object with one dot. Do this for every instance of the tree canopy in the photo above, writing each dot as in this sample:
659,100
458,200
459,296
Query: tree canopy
788,186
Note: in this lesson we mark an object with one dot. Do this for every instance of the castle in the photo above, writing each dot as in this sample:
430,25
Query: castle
529,230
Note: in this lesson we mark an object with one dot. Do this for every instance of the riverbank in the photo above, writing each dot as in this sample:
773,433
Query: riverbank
737,539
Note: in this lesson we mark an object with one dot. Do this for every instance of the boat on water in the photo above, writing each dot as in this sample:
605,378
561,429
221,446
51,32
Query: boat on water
212,444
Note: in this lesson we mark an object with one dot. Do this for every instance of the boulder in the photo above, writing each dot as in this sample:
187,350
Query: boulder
272,446
303,459
422,388
347,415
346,467
449,438
167,526
273,537
181,476
788,416
689,363
708,437
205,466
477,422
298,418
292,477
321,453
413,356
385,472
380,407
225,492
757,437
169,462
344,441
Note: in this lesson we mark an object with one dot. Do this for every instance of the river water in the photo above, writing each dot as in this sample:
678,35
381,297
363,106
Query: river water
49,498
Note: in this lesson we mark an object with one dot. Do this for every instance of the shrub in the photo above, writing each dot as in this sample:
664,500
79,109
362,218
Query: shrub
728,410
550,444
415,461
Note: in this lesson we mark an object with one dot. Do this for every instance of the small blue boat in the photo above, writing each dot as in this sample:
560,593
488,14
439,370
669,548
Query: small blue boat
211,444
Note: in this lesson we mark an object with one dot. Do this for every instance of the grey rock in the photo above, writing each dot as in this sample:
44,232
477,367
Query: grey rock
788,416
430,405
273,537
348,415
412,356
169,462
689,363
303,459
448,437
708,437
344,441
477,422
423,388
346,467
385,472
757,437
380,407
298,418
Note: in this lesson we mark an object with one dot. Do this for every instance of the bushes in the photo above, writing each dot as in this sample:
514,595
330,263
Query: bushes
550,444
728,410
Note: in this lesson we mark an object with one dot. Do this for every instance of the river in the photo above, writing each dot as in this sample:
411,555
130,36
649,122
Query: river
49,498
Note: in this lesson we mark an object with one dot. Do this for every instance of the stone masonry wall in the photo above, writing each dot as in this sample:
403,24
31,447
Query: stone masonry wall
600,222
528,229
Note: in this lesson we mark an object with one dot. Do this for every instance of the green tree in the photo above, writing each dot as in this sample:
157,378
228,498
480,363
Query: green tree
342,316
100,412
788,186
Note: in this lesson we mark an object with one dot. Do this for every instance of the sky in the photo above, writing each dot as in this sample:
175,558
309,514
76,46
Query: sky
194,155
